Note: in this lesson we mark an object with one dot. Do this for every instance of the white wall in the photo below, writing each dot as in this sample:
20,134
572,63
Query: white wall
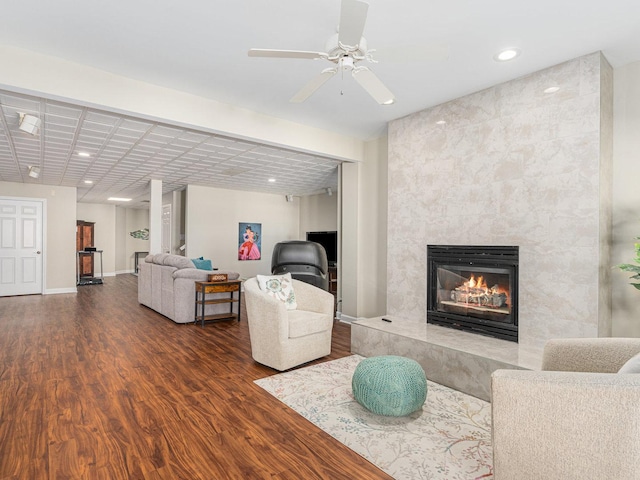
349,240
129,220
363,268
60,235
177,212
104,233
212,218
626,196
372,227
121,240
318,213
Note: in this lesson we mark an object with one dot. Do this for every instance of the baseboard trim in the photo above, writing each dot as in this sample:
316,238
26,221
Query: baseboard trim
55,291
346,318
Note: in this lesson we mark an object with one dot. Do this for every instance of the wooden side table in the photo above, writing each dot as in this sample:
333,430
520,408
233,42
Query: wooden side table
203,288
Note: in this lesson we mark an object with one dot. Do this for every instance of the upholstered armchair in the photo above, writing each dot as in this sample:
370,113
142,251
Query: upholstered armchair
576,419
282,338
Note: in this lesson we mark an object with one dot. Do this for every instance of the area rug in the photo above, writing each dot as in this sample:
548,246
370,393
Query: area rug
450,438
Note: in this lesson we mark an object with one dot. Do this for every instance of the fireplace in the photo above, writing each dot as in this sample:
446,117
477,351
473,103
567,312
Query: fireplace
474,288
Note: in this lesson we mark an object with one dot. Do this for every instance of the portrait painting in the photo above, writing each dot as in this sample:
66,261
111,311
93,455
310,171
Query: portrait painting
249,241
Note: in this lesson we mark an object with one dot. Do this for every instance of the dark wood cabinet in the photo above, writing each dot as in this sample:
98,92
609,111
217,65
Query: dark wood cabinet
84,239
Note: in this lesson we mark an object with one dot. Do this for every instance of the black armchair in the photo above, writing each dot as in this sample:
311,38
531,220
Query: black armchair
306,261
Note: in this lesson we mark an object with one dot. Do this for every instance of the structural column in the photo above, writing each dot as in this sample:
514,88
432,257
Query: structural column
155,217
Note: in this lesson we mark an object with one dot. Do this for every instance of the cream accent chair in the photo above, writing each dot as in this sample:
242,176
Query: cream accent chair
281,338
575,419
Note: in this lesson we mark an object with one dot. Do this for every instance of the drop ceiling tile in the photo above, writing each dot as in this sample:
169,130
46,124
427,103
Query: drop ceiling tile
128,151
140,126
102,117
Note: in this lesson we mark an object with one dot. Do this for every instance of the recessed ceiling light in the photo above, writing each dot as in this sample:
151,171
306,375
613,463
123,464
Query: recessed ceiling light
88,182
441,122
84,154
506,55
551,89
389,102
118,199
272,180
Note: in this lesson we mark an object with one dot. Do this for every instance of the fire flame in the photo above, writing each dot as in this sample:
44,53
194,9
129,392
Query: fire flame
475,291
473,283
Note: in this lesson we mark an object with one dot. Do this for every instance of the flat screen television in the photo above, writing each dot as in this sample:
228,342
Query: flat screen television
329,240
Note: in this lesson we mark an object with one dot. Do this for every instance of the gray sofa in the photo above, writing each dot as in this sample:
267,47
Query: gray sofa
576,419
166,283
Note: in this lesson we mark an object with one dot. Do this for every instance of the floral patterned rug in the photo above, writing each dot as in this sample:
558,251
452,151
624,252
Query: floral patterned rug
450,438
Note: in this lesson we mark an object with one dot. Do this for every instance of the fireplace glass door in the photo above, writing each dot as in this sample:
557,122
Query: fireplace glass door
473,289
475,292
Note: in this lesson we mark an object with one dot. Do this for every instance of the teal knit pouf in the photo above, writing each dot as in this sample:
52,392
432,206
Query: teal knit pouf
390,385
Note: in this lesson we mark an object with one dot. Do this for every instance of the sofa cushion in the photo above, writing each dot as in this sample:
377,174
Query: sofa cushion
632,365
303,323
178,261
149,258
202,264
279,287
158,258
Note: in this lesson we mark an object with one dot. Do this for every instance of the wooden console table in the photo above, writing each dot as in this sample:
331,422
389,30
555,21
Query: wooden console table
203,288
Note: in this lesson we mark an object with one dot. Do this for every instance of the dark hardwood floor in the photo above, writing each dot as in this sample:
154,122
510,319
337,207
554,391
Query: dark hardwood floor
94,385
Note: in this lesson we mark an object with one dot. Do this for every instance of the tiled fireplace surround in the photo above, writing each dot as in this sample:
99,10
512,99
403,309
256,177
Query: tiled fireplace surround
512,166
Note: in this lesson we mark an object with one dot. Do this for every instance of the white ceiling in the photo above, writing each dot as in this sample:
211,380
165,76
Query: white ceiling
126,153
201,47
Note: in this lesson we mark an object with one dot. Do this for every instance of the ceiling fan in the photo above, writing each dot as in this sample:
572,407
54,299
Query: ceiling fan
345,49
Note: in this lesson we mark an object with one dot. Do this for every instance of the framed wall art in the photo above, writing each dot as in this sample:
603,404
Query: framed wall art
249,241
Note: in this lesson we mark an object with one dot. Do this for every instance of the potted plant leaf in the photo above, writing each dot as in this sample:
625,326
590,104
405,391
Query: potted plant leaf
627,267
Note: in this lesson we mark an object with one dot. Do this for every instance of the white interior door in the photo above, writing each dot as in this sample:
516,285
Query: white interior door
20,247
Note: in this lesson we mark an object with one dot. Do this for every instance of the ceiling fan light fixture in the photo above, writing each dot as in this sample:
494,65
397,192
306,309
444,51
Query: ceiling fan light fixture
344,50
346,63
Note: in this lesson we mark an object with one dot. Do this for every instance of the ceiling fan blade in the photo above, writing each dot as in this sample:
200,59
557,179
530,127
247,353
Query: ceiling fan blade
374,87
315,83
353,15
264,52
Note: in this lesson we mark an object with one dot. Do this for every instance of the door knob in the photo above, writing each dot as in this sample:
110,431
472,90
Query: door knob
38,252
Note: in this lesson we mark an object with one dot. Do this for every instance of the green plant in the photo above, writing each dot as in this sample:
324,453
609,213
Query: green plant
627,267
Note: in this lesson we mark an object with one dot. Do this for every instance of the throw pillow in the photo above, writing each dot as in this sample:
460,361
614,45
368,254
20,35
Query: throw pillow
279,287
202,264
632,365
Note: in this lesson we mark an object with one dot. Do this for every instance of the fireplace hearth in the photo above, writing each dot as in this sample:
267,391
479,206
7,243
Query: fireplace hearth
474,288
